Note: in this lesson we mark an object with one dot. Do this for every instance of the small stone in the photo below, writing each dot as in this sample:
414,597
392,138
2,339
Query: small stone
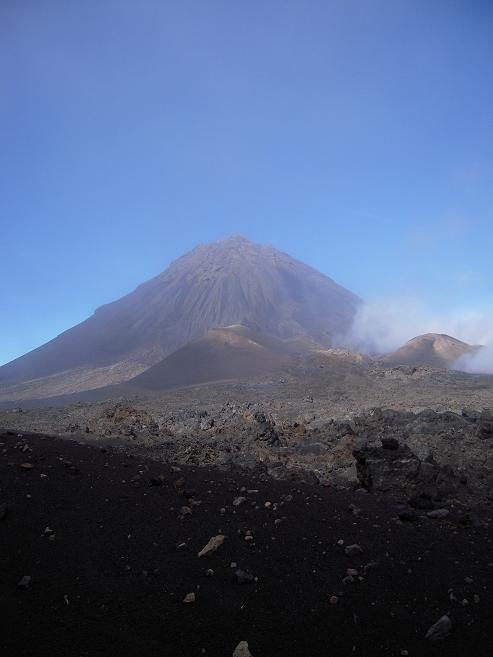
440,629
243,577
468,580
25,582
438,514
370,566
340,542
26,466
186,511
352,572
242,650
476,598
209,572
214,543
238,501
355,510
268,505
189,599
353,550
333,600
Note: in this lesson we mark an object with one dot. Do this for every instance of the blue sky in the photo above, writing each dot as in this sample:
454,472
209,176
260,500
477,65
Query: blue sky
355,135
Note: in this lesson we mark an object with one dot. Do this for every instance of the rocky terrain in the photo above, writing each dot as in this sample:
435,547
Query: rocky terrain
108,553
197,470
321,422
341,502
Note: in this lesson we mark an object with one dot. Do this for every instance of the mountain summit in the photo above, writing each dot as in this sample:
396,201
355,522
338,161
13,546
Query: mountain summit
233,281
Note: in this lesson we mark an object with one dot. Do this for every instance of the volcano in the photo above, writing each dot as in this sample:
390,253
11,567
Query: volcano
229,282
432,349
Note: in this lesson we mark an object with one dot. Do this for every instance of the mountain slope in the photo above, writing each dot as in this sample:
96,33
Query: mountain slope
436,350
233,352
228,282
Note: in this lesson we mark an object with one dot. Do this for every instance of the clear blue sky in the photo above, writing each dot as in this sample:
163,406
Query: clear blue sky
357,135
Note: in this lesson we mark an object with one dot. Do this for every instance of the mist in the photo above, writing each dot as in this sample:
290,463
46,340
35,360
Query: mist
383,325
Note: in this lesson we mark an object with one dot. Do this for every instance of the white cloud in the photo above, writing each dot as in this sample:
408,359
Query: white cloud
383,325
479,363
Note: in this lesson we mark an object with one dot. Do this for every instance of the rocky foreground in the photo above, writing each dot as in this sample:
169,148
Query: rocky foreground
444,455
100,551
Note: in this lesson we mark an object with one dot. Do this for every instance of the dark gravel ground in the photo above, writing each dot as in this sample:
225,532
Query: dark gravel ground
112,580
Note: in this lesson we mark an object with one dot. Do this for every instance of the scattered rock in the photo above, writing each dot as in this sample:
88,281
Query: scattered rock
353,550
214,543
438,514
189,599
24,582
440,629
238,501
206,423
242,650
243,577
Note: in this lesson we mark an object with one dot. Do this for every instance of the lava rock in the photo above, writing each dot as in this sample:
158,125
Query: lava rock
440,629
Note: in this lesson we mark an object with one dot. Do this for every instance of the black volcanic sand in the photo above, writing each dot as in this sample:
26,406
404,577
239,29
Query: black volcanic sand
112,580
